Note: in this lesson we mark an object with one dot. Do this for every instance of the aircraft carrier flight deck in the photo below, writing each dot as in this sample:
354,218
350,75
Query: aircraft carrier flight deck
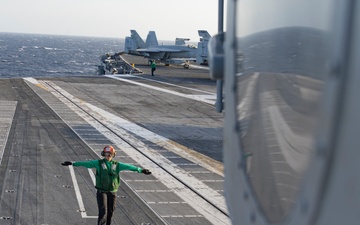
166,123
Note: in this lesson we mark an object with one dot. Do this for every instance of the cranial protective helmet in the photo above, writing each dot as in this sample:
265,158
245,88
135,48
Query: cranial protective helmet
108,149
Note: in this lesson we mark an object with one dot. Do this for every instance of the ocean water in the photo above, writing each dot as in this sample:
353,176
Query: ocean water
35,55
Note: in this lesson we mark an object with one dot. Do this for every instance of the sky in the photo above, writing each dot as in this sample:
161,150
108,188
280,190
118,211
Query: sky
110,18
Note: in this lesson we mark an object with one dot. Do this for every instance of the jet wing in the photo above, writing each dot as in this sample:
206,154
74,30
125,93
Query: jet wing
157,50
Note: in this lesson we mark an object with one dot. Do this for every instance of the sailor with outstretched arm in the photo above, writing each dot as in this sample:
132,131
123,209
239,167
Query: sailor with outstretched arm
107,181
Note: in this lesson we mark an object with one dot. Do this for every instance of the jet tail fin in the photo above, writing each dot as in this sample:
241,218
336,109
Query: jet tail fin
151,39
204,35
202,55
130,44
139,42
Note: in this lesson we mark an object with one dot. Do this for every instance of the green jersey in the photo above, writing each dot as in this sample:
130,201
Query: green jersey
107,173
153,65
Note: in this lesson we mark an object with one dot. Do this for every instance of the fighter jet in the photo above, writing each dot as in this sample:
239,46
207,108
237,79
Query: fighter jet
180,53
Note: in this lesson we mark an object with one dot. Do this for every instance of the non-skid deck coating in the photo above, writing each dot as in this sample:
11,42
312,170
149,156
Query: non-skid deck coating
7,111
177,137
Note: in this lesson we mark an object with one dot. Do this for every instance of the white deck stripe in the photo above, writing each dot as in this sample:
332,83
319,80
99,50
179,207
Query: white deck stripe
199,204
92,175
201,98
162,82
78,194
8,120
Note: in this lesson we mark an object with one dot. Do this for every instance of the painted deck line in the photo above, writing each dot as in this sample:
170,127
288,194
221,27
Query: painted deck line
92,175
151,203
191,198
124,127
162,82
198,203
78,194
121,125
201,98
6,124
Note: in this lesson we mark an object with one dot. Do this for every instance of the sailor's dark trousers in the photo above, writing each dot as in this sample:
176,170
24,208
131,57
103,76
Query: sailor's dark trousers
106,205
